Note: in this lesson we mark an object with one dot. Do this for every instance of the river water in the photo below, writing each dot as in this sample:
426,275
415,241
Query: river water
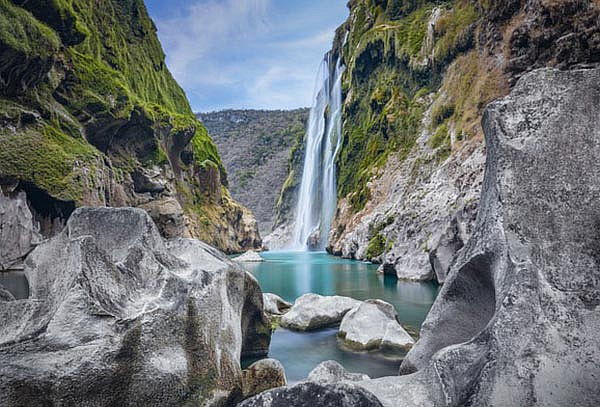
292,274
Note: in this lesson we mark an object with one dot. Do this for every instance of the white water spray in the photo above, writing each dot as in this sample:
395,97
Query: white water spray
317,198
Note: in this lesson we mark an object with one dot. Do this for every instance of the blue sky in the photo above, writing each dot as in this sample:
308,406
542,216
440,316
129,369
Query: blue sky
261,54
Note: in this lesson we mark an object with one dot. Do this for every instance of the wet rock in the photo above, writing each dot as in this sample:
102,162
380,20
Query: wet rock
5,295
275,305
373,325
118,316
18,233
249,257
313,394
263,375
313,311
331,372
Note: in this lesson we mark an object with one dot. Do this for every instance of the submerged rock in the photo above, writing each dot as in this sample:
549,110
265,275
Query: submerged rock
249,257
263,375
118,316
313,311
275,305
312,394
6,295
374,326
517,321
331,372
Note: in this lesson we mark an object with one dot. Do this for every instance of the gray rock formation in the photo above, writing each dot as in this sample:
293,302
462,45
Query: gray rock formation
331,372
516,322
118,316
249,257
5,295
275,305
312,394
373,325
313,311
18,233
266,374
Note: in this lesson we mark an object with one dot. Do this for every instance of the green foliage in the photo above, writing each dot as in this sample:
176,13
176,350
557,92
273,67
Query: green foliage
22,32
454,30
376,246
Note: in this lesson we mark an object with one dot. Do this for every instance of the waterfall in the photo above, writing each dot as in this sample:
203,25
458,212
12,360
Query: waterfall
317,198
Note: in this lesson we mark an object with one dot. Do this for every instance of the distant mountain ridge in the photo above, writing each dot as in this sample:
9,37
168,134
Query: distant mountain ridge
255,147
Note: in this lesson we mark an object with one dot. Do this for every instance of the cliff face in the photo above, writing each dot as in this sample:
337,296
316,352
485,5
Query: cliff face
255,147
90,115
418,77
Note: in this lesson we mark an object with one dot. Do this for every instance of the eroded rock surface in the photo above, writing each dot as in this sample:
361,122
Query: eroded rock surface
263,375
118,316
516,322
249,257
331,372
373,325
275,305
313,311
313,394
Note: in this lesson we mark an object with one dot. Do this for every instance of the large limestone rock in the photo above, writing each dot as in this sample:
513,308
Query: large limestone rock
313,311
516,323
373,325
249,257
263,375
275,305
312,394
18,233
118,316
331,372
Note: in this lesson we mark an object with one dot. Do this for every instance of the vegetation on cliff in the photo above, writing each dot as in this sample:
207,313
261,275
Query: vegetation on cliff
91,114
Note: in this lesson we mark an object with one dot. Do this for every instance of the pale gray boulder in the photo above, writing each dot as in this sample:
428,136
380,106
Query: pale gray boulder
517,321
275,305
331,372
308,394
18,231
373,325
117,316
313,311
249,257
266,374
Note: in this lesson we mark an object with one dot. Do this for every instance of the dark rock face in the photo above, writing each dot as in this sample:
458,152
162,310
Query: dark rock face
516,322
312,394
119,317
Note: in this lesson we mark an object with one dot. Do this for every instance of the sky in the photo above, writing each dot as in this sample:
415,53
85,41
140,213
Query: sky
253,54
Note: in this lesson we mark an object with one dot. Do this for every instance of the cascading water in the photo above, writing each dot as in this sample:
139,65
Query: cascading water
317,198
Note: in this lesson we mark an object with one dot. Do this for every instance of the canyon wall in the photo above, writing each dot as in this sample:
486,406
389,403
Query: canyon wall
90,115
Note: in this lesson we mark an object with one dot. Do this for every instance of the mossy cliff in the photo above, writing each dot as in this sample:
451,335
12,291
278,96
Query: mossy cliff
418,77
90,115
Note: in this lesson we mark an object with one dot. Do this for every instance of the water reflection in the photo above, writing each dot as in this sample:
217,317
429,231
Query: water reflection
16,283
292,274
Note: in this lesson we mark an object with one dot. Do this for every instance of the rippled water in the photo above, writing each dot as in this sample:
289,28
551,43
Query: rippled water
292,274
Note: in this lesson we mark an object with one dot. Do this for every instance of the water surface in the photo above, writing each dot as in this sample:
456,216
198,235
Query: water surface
292,274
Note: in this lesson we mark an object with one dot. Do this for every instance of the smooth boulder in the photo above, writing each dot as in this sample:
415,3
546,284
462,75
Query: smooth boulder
266,374
249,257
118,316
310,394
331,372
374,325
313,311
275,305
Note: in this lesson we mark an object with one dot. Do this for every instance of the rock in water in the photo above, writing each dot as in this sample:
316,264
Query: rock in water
313,311
249,257
374,326
312,395
263,375
275,305
118,316
331,372
517,321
